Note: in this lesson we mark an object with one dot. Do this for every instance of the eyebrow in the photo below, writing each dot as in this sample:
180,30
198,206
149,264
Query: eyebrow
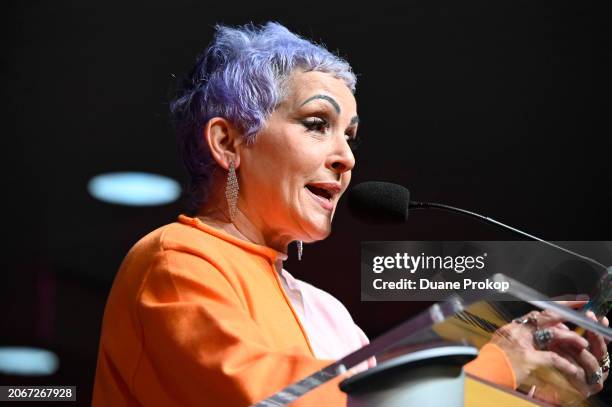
324,97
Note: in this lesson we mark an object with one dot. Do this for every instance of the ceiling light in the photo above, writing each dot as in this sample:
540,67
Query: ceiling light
24,361
134,188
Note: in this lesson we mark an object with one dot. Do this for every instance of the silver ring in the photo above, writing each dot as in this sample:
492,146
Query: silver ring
605,363
526,320
542,338
595,377
521,321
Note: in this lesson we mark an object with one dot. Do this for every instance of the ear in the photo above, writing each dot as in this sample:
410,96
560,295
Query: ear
224,141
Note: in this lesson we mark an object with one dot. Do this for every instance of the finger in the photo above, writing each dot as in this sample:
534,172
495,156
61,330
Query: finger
574,374
590,358
589,365
565,354
567,338
564,366
562,326
587,361
597,345
604,321
574,304
548,318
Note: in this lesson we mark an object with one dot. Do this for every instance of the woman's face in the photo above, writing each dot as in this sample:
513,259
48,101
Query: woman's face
293,175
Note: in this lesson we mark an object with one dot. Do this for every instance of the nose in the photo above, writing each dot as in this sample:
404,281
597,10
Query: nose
341,158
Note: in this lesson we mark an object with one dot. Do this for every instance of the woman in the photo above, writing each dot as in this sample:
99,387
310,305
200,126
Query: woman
201,311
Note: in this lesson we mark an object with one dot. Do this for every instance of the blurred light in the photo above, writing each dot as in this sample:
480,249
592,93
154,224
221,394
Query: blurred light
134,188
25,361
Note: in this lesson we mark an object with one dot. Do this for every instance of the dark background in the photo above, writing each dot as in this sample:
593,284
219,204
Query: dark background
499,107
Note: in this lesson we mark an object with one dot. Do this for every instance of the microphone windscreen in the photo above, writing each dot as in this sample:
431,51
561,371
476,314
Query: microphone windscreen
379,202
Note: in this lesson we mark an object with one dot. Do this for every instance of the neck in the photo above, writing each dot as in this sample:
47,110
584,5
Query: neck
241,227
245,225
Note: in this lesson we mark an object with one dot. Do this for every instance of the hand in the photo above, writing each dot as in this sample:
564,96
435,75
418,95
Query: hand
564,359
588,378
591,359
517,341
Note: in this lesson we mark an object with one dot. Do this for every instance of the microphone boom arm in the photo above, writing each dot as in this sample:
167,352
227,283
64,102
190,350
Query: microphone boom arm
448,208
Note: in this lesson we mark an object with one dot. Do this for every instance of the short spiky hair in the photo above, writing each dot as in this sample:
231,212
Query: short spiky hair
240,77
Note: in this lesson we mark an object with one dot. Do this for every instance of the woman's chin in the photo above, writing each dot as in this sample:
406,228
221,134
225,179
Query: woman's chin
315,231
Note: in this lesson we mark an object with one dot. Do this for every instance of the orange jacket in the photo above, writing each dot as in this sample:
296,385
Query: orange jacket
197,317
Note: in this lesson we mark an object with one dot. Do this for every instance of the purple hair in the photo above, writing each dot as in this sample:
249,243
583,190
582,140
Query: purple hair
240,77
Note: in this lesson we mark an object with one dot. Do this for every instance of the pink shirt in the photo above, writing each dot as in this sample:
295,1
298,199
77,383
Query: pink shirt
331,331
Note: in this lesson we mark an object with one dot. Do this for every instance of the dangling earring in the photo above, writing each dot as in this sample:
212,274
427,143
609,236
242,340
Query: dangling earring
300,248
231,190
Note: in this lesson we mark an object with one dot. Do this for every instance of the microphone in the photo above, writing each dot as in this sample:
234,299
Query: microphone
379,202
385,202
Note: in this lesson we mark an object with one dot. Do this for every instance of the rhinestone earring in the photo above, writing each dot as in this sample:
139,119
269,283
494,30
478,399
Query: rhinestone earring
300,248
231,190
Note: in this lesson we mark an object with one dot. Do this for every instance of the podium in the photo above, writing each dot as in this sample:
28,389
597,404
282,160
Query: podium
420,361
412,378
479,393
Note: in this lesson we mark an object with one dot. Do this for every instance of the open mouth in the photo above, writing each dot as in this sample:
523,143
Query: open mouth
323,193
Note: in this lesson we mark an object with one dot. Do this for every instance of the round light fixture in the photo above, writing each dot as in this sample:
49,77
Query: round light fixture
25,361
134,188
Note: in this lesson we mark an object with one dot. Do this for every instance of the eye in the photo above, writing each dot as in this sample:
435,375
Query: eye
317,124
352,140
